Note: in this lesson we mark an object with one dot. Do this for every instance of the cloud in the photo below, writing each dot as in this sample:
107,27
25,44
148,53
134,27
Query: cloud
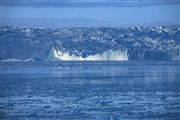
87,3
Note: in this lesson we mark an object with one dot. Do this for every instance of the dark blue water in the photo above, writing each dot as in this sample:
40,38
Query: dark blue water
90,90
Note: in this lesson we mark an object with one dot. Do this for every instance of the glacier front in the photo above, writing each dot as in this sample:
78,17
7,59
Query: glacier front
90,43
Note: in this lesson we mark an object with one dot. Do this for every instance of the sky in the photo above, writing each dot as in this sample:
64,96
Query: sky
80,13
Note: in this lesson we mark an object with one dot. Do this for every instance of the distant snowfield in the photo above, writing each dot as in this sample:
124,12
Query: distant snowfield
116,55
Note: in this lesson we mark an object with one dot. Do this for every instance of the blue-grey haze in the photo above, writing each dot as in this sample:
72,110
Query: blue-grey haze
72,13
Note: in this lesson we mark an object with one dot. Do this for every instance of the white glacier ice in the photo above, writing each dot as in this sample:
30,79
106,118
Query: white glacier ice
114,55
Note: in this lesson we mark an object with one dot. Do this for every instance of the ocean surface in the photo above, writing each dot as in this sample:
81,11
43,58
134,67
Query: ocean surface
90,90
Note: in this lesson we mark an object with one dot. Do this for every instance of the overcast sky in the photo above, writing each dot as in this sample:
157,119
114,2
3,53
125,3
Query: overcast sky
72,13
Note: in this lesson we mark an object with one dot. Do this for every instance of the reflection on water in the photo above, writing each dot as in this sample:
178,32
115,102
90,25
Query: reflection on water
97,91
